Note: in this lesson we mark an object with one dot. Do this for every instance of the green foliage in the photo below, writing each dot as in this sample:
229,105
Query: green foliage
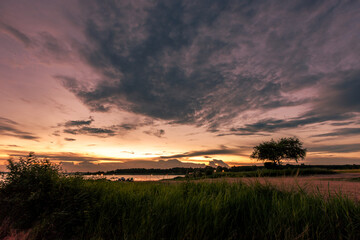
31,171
36,195
73,208
276,151
262,172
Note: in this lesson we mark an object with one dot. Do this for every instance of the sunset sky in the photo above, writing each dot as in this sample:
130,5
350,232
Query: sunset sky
100,85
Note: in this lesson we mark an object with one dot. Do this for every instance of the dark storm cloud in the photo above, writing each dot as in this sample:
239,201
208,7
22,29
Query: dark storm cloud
222,151
18,35
100,132
76,123
343,148
97,131
338,102
205,62
76,127
7,128
273,125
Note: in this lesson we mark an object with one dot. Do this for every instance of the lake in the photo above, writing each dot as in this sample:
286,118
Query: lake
137,178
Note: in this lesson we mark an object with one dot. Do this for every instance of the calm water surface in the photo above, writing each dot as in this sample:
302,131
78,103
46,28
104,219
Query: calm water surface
135,177
114,177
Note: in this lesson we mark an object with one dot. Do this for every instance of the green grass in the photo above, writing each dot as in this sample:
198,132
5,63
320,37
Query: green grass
111,210
264,173
38,200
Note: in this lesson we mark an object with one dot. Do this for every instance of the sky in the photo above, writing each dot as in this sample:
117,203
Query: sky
101,85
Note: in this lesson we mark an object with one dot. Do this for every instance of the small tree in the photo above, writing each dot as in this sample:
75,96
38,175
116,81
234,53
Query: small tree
275,151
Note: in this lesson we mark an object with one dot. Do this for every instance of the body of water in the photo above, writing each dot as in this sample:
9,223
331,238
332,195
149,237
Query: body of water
136,178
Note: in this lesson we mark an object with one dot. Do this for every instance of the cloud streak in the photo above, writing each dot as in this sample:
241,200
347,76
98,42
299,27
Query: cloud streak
222,151
340,132
9,128
342,148
76,123
15,33
101,132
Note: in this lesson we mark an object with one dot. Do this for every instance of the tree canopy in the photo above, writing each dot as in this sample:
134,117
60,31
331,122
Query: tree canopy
276,151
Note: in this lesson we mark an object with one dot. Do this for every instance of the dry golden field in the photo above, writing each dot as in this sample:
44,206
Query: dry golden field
343,183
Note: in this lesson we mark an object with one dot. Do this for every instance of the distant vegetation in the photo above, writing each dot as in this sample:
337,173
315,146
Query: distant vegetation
242,171
44,204
265,173
207,170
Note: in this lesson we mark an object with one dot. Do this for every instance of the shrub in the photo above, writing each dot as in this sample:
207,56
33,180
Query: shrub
36,193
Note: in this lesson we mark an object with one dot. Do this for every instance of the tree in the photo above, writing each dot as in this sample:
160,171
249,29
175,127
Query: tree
273,152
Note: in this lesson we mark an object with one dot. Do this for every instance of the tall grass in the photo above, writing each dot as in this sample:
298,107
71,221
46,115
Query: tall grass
56,207
111,210
263,173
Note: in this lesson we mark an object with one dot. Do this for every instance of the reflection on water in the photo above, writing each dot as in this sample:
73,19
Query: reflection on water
136,178
114,177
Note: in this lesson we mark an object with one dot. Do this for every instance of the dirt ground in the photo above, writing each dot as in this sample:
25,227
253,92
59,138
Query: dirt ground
325,184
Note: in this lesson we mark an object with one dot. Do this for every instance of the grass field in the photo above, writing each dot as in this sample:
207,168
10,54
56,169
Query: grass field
109,210
273,173
38,202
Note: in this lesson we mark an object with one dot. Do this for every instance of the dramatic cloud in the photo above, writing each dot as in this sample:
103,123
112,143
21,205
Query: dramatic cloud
273,125
343,148
338,102
101,132
194,74
78,123
76,127
171,61
222,151
9,128
340,132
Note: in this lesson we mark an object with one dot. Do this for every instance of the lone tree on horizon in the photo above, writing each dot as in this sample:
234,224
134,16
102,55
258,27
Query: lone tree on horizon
275,151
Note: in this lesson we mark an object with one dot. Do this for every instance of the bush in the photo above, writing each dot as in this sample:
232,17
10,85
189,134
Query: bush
36,193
